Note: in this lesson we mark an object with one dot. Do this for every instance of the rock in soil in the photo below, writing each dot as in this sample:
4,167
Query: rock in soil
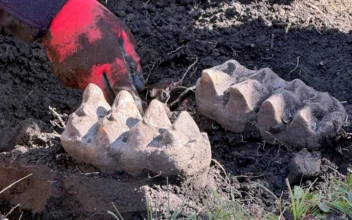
259,101
26,131
304,165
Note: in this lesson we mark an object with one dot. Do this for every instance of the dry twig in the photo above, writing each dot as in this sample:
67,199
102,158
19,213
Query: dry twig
14,183
192,88
12,209
87,174
297,65
189,68
52,110
176,50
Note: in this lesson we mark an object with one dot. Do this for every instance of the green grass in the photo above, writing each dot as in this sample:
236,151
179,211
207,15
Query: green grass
303,204
224,211
219,208
338,199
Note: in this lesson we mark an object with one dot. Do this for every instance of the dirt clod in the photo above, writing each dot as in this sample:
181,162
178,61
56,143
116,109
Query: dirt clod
29,130
304,165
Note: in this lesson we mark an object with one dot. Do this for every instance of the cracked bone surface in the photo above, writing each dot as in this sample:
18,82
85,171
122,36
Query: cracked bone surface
259,102
118,138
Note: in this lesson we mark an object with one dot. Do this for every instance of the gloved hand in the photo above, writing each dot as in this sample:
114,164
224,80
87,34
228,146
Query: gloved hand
86,43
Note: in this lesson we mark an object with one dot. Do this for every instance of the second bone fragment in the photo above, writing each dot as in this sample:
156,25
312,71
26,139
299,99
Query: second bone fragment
262,104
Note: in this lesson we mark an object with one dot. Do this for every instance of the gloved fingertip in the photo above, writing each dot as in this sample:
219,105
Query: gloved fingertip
138,83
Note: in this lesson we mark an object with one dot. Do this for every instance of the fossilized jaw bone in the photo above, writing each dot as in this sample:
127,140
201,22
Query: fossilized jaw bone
262,103
119,138
305,117
79,136
239,93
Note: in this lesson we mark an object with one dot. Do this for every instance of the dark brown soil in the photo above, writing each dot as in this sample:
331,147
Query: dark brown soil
309,40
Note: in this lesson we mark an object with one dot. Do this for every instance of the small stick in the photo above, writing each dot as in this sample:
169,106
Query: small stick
20,216
156,63
150,71
336,171
56,124
153,177
214,45
272,43
189,68
181,96
221,167
244,176
14,183
87,174
92,216
317,30
177,49
288,27
268,58
297,64
187,89
194,71
57,116
25,99
314,7
13,208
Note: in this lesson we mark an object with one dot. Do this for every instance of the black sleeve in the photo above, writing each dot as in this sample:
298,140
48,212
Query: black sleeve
36,13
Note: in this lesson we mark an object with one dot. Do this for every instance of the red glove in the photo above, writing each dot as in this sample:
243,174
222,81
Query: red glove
86,43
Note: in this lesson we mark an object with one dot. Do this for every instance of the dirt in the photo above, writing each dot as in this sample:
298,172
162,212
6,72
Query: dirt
309,40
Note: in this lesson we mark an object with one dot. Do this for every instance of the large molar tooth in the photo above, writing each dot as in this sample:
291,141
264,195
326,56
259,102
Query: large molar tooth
270,115
78,127
271,80
109,130
302,120
214,82
141,135
156,115
302,129
245,97
187,125
331,124
93,107
322,102
93,102
135,154
182,131
234,69
299,89
125,109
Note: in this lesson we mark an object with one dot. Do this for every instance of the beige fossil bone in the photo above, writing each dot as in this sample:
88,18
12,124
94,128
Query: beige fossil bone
261,103
119,138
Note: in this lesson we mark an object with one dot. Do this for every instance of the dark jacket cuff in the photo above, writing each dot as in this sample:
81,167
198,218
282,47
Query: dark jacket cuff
38,14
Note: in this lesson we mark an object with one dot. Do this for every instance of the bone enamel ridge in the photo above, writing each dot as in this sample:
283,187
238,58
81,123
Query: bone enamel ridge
261,103
118,138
